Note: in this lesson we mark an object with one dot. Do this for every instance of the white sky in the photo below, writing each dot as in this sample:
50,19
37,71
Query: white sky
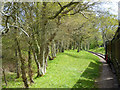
113,5
108,5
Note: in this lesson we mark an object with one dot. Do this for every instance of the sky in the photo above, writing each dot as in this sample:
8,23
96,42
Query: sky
113,5
108,5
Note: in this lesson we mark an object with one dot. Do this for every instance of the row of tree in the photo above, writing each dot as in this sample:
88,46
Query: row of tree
36,31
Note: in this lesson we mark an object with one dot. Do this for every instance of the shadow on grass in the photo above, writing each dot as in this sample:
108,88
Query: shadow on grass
88,77
74,56
71,55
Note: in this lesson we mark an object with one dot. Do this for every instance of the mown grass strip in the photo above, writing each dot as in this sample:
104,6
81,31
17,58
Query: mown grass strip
69,70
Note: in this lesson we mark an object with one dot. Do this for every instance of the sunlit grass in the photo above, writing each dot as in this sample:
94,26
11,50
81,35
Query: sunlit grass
69,70
99,50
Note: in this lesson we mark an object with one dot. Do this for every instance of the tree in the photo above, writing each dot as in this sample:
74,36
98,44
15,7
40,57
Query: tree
35,26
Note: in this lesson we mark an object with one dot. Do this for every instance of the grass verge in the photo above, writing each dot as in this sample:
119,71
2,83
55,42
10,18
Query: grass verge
69,70
98,50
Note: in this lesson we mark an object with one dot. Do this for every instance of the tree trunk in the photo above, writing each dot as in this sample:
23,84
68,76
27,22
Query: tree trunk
22,65
46,57
67,46
70,46
78,47
1,71
88,46
18,64
30,73
41,59
85,46
37,63
53,50
81,46
43,43
4,76
74,45
62,44
57,44
35,51
60,47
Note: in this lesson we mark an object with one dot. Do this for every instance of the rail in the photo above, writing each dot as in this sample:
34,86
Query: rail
98,54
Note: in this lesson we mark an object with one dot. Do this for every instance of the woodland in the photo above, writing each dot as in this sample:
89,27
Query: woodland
36,32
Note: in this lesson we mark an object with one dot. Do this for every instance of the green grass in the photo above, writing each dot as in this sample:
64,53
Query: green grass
98,50
69,70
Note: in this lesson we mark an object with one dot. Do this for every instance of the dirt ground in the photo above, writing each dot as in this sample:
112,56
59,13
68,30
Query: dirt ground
107,79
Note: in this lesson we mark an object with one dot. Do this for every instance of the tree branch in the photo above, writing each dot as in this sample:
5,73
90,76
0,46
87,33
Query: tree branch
21,30
62,8
5,14
60,5
65,12
84,15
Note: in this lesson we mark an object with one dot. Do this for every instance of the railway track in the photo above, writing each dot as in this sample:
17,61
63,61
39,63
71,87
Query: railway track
115,81
98,54
108,78
103,56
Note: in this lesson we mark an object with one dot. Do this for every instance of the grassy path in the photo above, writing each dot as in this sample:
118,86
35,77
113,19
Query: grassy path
69,70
